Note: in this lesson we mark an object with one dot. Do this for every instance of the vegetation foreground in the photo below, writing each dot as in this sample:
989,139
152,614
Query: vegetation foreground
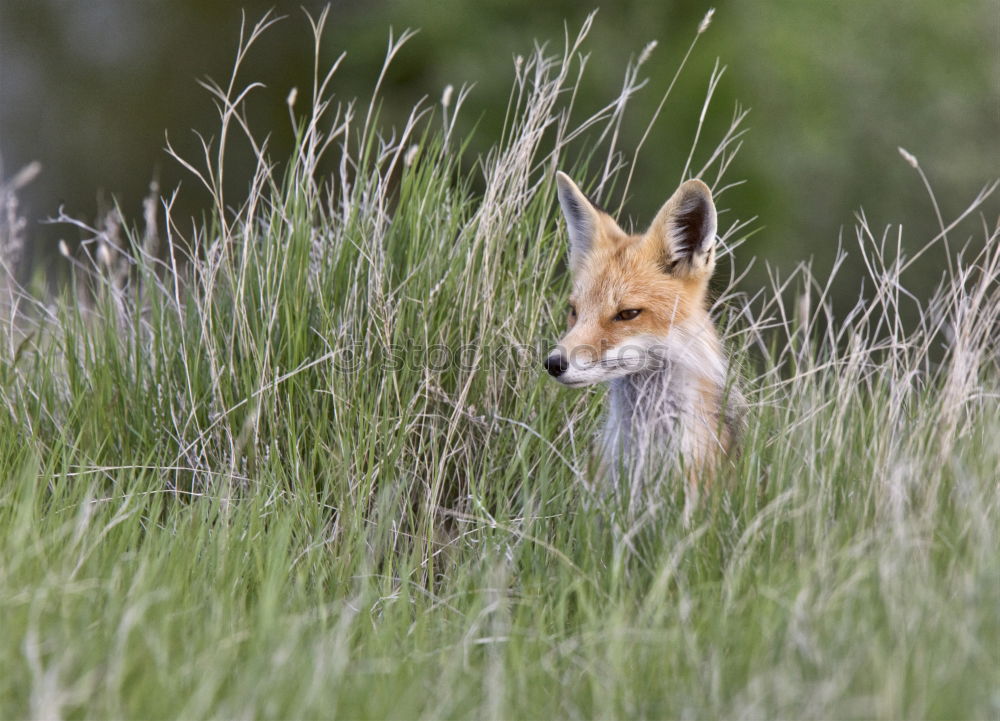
302,460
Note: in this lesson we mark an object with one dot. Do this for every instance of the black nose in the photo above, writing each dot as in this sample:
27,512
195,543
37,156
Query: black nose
556,365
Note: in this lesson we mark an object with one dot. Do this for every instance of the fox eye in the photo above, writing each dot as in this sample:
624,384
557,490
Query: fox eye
628,314
572,310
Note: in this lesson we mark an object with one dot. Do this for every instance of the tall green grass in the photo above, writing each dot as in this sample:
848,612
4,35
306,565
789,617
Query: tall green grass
301,461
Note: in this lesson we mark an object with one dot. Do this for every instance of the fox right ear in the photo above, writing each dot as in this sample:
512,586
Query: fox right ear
582,219
685,226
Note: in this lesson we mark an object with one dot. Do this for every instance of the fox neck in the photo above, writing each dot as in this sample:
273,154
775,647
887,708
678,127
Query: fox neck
672,410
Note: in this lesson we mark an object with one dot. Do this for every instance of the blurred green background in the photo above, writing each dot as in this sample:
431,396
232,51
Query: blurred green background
89,88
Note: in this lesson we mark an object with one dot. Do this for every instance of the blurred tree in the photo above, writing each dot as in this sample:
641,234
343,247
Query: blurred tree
88,89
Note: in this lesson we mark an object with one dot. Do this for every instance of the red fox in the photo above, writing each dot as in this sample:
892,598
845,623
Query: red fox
638,318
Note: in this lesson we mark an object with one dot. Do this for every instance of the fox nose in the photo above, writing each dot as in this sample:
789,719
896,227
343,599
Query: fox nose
556,365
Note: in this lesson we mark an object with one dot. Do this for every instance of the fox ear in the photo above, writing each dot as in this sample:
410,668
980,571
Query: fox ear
686,227
582,219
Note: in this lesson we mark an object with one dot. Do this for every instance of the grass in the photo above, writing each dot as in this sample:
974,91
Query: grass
301,460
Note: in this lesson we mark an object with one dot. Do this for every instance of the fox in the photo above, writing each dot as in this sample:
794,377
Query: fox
638,320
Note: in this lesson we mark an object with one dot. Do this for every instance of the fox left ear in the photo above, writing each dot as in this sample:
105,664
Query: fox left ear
582,219
686,226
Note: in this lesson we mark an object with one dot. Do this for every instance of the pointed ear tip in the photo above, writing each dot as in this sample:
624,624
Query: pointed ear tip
697,185
563,179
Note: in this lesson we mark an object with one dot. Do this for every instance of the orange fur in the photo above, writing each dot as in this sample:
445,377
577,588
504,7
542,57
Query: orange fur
638,318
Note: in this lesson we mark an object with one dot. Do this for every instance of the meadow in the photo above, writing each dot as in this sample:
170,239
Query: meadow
299,459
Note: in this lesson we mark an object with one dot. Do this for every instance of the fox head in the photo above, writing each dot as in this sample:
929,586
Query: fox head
632,292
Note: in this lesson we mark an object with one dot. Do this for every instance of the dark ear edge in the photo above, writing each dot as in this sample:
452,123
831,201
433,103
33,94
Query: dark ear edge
692,226
687,225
